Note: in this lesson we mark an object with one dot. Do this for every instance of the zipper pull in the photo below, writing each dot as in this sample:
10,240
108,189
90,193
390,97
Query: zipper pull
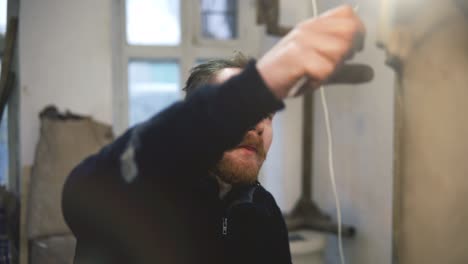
225,226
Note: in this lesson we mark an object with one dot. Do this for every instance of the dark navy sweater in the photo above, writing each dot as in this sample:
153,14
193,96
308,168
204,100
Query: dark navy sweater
148,197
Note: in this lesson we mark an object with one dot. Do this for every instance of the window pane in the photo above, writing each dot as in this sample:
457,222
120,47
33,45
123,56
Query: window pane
153,22
4,148
4,153
153,85
219,19
3,16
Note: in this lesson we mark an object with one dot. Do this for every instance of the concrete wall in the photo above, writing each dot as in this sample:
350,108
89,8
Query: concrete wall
65,59
431,213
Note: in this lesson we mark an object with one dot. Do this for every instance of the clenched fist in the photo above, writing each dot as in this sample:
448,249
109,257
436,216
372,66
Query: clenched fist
314,48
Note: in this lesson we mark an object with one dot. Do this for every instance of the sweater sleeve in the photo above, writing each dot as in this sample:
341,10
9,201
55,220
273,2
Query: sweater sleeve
192,135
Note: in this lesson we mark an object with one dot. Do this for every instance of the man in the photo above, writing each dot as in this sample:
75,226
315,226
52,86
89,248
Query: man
253,228
181,187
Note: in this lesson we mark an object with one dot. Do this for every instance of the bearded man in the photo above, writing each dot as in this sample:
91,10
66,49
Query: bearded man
182,186
253,229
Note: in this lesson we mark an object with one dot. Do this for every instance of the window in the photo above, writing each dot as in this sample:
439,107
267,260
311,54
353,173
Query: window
4,124
4,154
153,22
156,42
219,19
153,85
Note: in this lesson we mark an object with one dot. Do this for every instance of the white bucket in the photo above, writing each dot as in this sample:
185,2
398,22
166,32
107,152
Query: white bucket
307,247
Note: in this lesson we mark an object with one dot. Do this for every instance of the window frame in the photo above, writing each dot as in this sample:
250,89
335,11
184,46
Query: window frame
14,173
232,43
192,47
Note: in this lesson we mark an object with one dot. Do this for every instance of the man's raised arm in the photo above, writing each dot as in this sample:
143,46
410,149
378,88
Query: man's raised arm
192,135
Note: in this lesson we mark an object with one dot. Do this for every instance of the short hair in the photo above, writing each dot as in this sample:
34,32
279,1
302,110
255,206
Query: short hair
203,73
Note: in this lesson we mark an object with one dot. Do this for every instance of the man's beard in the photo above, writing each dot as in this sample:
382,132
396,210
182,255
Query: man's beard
239,168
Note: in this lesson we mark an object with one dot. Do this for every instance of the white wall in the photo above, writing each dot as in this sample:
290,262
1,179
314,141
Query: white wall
65,59
362,127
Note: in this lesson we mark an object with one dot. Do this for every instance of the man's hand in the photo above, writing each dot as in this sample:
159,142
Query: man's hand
315,47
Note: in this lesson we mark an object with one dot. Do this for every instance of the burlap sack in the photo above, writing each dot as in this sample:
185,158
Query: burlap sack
65,140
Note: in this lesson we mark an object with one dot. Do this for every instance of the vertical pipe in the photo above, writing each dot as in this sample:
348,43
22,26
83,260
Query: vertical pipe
307,137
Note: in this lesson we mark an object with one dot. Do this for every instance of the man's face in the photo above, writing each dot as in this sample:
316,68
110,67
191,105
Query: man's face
242,164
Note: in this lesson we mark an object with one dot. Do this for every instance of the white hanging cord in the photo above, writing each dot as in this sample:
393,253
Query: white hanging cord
332,173
330,157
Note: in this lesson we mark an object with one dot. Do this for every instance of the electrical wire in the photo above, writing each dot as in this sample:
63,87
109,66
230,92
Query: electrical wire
330,157
332,173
